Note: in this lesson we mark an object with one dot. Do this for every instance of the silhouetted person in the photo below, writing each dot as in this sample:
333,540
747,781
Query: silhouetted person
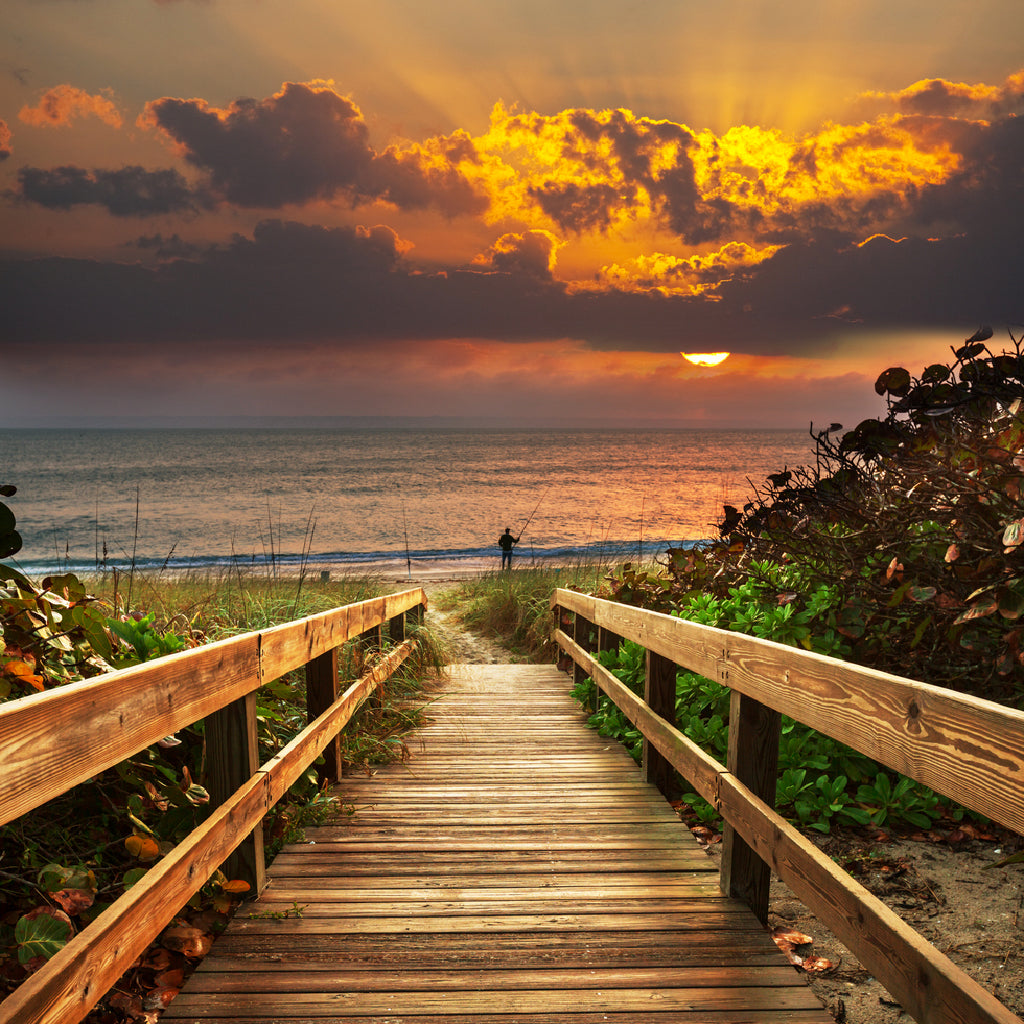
507,542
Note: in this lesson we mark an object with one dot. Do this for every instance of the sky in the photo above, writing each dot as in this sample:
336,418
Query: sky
523,210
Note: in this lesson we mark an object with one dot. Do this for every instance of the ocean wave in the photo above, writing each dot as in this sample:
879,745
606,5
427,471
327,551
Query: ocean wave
606,551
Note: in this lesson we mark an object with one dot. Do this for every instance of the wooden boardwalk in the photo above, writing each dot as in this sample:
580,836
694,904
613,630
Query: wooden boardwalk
516,870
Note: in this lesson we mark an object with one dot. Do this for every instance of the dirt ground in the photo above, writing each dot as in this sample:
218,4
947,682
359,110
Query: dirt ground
946,890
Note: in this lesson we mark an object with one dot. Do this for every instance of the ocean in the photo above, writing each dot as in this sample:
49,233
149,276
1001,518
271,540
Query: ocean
205,498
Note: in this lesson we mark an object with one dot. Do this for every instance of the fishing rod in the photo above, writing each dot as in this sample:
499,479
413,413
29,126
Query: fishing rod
405,530
533,513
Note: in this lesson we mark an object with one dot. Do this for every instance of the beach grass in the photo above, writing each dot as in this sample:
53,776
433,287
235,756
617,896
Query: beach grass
219,604
514,605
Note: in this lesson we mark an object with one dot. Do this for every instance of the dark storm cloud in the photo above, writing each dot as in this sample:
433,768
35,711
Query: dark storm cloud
530,253
938,97
293,283
303,144
173,248
126,192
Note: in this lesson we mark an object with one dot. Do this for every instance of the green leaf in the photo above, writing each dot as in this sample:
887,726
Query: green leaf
895,381
40,934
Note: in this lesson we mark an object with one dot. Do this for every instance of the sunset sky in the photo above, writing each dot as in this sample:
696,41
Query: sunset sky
524,209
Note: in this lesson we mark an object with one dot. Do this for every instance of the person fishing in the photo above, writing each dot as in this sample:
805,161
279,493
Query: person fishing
507,542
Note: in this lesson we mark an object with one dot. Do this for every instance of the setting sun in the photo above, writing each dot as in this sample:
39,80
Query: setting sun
705,358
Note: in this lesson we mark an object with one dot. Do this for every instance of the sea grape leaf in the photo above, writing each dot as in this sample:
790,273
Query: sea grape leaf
983,606
1011,604
73,901
983,333
936,373
1013,534
142,847
40,933
895,381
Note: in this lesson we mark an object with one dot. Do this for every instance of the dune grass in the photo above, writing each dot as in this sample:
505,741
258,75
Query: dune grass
214,605
514,606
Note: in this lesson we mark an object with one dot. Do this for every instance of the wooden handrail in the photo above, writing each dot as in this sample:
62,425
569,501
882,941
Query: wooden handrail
119,714
970,749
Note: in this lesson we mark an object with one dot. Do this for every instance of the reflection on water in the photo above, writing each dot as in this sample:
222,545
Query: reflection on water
342,494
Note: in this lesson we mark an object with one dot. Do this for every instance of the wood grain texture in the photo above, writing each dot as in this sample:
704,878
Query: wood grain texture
71,982
54,740
926,983
968,749
516,868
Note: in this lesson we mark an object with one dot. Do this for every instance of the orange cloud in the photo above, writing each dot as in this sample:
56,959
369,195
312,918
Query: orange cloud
5,141
59,106
694,275
610,172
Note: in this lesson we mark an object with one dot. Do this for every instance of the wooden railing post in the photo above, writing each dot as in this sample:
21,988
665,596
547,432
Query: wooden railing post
396,629
753,758
660,695
321,693
581,634
232,757
606,641
414,616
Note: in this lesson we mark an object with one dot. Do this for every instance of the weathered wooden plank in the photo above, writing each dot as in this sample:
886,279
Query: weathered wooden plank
314,1005
523,899
926,983
384,956
512,923
52,741
333,979
282,893
722,1016
969,749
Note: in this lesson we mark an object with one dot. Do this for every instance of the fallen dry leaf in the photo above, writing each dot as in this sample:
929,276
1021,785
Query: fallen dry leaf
818,964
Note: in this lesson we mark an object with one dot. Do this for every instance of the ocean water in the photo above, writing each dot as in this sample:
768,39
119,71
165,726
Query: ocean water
207,497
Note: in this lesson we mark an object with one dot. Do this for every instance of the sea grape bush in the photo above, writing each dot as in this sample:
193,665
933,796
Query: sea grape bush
62,864
901,548
915,523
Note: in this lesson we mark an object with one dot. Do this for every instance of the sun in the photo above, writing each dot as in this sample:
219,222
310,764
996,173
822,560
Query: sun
705,358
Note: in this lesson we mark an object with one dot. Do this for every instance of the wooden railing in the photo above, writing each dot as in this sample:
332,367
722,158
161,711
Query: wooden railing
968,749
52,741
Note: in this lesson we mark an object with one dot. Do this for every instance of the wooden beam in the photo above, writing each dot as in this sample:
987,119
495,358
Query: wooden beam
966,748
925,982
76,977
321,693
753,758
232,759
660,696
929,986
55,740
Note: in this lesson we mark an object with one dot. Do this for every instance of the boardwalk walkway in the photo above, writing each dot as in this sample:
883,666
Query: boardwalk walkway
515,870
